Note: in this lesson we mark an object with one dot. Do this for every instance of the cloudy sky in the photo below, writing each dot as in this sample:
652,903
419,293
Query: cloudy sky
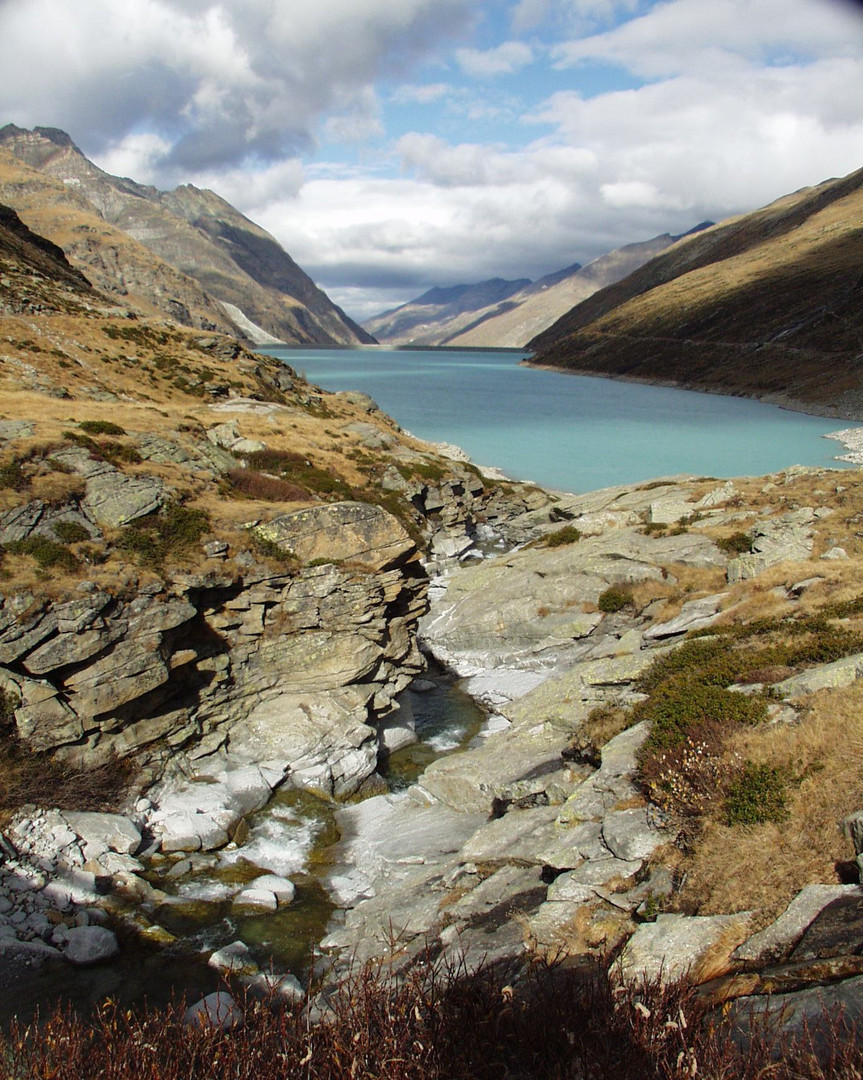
391,145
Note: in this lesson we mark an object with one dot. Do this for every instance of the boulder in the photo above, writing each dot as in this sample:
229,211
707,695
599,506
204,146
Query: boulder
676,945
341,532
629,835
776,941
86,945
833,676
111,831
216,1010
693,615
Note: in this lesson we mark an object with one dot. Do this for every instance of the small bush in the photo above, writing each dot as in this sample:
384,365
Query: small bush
298,470
757,795
70,532
12,476
251,484
101,427
569,534
739,543
49,554
681,705
152,539
614,598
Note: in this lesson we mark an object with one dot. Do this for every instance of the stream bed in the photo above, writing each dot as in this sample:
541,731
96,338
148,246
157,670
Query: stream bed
294,836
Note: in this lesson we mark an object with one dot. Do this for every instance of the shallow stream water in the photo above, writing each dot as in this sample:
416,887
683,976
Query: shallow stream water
292,836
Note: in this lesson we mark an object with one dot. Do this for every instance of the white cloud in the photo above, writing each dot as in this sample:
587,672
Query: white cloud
506,59
678,36
222,80
411,94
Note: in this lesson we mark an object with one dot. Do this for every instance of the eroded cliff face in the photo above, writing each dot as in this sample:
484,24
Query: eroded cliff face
292,668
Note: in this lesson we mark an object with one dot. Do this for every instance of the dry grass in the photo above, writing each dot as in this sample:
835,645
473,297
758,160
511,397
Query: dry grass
552,1022
762,867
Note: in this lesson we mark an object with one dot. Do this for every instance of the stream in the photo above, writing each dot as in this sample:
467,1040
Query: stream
293,836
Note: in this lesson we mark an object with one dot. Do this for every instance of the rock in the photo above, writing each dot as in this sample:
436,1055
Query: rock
693,615
833,676
629,835
776,941
236,959
670,510
810,1011
786,538
113,831
675,945
835,554
572,885
113,498
86,945
257,898
341,532
280,887
216,1010
19,955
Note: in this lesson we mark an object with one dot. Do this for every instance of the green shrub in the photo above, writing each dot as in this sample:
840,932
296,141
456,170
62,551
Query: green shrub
757,795
569,534
739,543
680,705
101,427
13,476
70,532
152,539
49,554
298,470
614,598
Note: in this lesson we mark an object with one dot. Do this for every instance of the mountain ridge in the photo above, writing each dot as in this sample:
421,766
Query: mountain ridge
765,305
196,233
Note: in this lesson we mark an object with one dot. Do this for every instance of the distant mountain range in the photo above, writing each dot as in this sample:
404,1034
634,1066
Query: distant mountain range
507,314
768,305
186,254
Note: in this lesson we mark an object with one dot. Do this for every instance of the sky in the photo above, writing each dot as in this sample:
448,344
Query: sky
395,145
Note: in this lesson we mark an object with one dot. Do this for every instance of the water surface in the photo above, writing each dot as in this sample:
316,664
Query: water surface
570,432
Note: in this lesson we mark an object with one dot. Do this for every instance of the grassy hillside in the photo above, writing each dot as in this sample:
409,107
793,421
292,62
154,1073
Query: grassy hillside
766,305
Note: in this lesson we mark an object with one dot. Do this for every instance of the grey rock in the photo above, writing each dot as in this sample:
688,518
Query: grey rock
629,835
235,958
675,944
280,887
217,1010
86,945
777,940
833,676
347,531
693,615
113,831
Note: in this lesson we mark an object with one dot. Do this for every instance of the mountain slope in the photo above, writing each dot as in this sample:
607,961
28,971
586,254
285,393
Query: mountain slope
766,305
254,287
541,303
506,314
439,313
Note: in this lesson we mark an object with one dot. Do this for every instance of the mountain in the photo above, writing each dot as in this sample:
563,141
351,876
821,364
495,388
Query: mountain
506,314
768,304
206,264
439,313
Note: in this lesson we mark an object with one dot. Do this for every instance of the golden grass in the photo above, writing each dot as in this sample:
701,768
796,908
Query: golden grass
762,867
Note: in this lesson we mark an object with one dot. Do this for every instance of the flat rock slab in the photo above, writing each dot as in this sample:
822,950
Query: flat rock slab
111,831
693,615
341,532
776,941
676,944
833,676
803,1011
628,834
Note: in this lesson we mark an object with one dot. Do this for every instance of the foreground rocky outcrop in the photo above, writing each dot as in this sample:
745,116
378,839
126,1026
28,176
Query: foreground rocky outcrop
539,837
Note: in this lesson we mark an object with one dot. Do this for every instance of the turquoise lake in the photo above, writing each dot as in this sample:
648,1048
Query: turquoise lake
569,432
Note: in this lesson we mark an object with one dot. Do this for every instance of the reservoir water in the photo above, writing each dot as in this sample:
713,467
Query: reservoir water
568,432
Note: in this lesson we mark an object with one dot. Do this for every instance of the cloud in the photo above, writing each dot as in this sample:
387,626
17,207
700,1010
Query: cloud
411,94
691,36
222,82
506,59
